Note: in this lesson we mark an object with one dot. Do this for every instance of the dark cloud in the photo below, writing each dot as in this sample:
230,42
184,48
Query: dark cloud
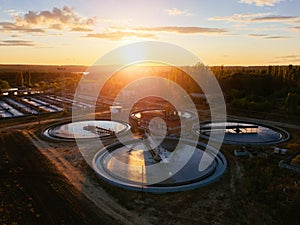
267,36
258,18
296,29
286,59
239,18
275,19
8,26
277,37
257,35
289,57
182,30
16,43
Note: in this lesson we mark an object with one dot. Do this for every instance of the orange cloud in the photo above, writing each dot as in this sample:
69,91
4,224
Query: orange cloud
57,19
118,35
81,29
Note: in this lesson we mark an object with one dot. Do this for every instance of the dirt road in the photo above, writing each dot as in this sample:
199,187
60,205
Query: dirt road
32,191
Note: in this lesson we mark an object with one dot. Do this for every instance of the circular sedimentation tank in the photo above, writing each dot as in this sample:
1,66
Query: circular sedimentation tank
127,165
243,132
159,113
175,121
85,130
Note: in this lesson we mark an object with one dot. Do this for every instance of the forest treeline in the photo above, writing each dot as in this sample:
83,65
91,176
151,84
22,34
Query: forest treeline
48,81
260,88
254,88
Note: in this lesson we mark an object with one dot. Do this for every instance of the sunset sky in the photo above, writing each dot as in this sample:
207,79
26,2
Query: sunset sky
220,32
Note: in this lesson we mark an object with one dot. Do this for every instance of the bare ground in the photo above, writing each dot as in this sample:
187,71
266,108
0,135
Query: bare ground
33,191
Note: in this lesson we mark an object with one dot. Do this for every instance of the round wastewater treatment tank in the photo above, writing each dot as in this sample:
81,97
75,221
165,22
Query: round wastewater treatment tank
175,121
85,130
243,132
127,165
160,113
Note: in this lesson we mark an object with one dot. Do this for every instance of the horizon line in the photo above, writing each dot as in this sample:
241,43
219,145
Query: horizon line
82,65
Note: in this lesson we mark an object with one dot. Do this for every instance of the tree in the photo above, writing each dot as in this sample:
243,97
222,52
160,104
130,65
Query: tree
4,84
291,102
19,79
27,79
